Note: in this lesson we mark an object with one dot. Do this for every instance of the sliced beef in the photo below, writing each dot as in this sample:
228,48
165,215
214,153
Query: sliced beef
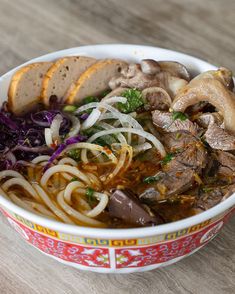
169,184
218,138
205,119
178,175
194,157
124,205
208,199
178,140
166,122
226,169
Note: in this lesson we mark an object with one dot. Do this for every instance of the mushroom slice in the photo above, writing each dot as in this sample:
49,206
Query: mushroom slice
64,72
176,69
95,79
26,86
218,138
150,66
157,98
211,90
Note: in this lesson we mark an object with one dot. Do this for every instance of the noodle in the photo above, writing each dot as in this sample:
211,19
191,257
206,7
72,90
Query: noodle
22,183
46,199
75,214
63,168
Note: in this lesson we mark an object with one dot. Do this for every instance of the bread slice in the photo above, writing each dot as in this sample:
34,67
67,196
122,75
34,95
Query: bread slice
26,86
95,79
62,74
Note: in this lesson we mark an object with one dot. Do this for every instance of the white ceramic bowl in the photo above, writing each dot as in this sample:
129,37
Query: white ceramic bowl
118,250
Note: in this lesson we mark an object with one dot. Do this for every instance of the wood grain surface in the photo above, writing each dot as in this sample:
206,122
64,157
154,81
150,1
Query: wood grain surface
203,28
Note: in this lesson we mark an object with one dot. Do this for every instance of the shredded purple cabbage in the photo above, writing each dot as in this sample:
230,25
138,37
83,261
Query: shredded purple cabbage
61,147
23,138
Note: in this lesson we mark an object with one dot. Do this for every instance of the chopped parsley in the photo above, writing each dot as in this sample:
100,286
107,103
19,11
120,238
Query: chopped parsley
134,101
74,154
179,115
151,179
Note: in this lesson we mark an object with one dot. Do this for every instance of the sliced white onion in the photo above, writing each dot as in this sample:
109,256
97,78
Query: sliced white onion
48,137
76,125
91,147
92,119
142,147
55,128
142,133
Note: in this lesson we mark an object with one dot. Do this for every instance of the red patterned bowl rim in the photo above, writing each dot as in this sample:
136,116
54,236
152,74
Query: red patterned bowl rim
125,51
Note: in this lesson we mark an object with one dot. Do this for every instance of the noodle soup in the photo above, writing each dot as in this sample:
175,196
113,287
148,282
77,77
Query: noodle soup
117,145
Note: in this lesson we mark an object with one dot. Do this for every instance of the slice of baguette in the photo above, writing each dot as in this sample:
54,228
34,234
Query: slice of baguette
64,72
95,79
26,86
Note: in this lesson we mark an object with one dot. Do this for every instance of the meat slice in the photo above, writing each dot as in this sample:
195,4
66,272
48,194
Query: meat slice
178,140
218,138
25,88
226,169
166,122
169,184
62,74
208,199
95,80
206,119
123,204
179,174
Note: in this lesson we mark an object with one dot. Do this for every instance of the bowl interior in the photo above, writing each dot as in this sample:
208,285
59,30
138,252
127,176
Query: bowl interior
131,53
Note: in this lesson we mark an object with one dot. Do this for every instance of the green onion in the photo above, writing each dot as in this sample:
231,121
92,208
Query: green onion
167,158
70,108
151,179
207,189
74,154
90,195
89,99
179,115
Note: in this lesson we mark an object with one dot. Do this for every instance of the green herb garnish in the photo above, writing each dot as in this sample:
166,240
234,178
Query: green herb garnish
89,99
151,179
179,115
134,101
207,189
167,158
74,154
90,195
70,108
74,179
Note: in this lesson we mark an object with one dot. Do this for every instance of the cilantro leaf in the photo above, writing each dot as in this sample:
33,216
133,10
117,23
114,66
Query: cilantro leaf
151,179
179,115
167,158
134,101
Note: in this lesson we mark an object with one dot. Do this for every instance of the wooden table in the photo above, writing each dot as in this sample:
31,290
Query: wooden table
202,28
